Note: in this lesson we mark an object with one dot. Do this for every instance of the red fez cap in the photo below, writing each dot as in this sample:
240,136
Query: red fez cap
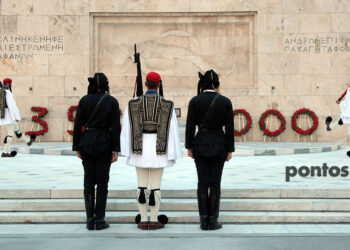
153,77
7,80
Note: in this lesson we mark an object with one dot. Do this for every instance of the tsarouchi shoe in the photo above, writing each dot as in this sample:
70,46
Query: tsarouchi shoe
12,154
143,225
155,225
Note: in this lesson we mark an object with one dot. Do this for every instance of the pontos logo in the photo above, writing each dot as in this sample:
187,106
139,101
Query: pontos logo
316,171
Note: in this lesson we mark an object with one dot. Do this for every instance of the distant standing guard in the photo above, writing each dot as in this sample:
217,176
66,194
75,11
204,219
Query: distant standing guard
9,118
210,146
150,139
96,141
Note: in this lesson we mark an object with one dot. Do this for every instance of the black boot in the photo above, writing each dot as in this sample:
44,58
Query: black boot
90,210
203,209
214,207
101,201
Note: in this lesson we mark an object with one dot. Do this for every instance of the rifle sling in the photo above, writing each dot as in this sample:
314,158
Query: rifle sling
209,111
94,112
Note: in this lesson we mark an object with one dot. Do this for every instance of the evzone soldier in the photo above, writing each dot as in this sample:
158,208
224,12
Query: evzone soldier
9,118
96,142
344,101
150,139
211,146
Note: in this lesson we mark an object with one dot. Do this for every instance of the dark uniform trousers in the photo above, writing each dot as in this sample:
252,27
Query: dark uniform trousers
209,172
96,172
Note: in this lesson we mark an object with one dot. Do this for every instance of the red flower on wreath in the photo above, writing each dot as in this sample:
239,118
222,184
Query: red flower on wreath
310,114
262,123
71,117
248,119
70,113
42,112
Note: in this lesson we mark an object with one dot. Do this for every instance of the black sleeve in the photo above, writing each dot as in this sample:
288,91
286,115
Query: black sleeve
115,126
190,126
77,132
229,128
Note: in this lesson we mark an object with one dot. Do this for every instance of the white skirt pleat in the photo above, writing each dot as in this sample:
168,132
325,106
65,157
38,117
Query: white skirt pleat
149,157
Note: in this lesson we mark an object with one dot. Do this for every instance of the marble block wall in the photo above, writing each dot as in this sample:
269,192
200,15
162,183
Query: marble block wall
283,54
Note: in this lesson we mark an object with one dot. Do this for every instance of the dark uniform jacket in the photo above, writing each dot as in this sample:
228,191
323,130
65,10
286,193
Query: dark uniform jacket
212,139
103,132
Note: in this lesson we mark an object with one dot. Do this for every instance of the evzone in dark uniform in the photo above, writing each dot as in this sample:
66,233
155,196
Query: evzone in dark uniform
211,146
96,142
9,118
150,139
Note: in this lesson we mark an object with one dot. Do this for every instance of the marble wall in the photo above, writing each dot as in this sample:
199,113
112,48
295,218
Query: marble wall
284,54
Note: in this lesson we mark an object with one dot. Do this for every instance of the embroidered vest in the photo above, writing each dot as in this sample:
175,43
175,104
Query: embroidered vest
150,113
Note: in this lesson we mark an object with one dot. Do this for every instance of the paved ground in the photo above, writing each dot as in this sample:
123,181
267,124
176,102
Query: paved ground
126,236
27,171
171,230
217,243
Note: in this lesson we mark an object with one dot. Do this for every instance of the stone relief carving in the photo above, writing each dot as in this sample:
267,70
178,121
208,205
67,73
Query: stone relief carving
180,48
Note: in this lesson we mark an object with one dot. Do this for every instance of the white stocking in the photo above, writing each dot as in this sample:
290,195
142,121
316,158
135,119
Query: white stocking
9,138
334,124
23,137
155,180
13,131
142,180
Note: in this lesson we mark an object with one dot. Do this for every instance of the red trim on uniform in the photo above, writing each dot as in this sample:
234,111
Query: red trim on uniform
342,96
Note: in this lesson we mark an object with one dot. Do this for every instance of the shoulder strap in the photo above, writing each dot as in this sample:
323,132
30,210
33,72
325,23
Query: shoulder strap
94,112
209,110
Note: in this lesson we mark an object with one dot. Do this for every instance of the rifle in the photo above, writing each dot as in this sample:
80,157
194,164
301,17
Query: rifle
138,82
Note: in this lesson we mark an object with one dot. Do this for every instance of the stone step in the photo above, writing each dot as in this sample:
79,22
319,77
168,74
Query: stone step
276,205
181,217
254,193
241,148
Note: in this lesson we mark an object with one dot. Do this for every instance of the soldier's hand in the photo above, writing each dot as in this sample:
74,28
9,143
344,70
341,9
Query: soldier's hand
78,155
114,157
229,156
338,102
190,152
